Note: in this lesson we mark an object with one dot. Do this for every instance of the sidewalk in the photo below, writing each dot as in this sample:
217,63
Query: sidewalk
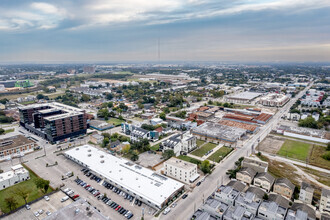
214,150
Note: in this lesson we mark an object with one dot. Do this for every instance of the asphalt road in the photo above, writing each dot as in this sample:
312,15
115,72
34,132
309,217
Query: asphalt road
186,207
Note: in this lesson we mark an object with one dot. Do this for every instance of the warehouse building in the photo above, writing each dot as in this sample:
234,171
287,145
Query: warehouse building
244,97
53,121
216,133
15,145
151,188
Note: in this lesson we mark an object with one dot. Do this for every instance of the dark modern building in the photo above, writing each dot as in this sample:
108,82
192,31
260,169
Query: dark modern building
53,121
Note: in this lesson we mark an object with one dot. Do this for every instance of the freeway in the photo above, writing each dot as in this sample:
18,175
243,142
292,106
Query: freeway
186,207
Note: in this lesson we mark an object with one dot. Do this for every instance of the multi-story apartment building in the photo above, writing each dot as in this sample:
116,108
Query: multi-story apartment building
274,100
180,143
14,146
246,175
325,201
306,193
137,133
228,193
284,187
181,170
255,163
264,181
53,121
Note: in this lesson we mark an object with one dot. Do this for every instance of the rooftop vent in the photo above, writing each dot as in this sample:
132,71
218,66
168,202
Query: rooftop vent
89,150
77,148
102,161
89,155
102,156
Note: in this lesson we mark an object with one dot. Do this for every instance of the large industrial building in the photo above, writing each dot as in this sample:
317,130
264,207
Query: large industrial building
53,121
244,97
151,188
217,133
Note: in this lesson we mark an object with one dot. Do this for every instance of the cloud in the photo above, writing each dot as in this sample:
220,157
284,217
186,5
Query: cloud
36,15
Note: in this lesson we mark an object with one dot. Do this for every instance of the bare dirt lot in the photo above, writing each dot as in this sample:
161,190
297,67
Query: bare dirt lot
271,144
149,160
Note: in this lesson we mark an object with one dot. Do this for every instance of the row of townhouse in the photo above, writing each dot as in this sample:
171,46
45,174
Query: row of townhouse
238,201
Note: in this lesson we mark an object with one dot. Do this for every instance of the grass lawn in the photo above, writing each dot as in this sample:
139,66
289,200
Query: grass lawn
155,147
115,121
189,159
205,148
223,151
138,119
315,158
200,143
29,184
9,130
295,149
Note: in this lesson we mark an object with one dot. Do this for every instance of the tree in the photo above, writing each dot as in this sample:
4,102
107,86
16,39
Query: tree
40,96
125,149
231,173
109,96
4,101
265,197
11,203
22,192
134,156
328,147
2,131
103,113
105,142
46,185
308,122
168,154
206,166
162,115
85,98
42,184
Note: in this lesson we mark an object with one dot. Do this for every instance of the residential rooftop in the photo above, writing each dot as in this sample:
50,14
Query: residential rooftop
180,163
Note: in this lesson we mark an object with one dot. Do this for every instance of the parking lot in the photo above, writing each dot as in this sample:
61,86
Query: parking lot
52,205
55,173
149,159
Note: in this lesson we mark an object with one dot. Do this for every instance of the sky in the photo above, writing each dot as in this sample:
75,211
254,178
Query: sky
178,30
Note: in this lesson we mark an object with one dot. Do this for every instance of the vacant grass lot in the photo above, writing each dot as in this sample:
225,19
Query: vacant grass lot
316,159
29,184
295,149
220,154
202,150
115,121
189,159
154,147
200,143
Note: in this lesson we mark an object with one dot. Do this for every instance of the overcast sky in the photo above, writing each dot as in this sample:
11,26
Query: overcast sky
188,30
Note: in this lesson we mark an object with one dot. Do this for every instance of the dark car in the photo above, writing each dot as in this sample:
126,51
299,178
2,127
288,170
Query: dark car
199,183
184,196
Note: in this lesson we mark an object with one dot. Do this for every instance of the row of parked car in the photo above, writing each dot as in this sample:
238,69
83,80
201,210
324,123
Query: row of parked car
70,193
121,193
121,210
128,214
91,175
88,187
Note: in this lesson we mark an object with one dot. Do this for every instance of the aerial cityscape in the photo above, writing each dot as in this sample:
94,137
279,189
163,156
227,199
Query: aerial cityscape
169,110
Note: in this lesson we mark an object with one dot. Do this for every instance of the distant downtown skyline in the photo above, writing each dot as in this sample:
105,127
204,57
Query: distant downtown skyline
186,30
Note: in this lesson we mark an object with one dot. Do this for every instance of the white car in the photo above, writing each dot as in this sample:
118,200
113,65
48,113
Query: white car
41,211
67,190
48,213
64,198
46,198
70,192
167,210
36,214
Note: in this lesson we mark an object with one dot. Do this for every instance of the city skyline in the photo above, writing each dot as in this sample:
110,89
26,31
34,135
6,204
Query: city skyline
186,30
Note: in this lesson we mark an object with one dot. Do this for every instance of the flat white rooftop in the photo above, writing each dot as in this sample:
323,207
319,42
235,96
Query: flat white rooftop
144,182
245,95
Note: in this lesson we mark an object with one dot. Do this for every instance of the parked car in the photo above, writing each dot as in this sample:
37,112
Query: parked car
184,196
199,183
46,198
36,214
167,210
64,198
48,213
27,207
